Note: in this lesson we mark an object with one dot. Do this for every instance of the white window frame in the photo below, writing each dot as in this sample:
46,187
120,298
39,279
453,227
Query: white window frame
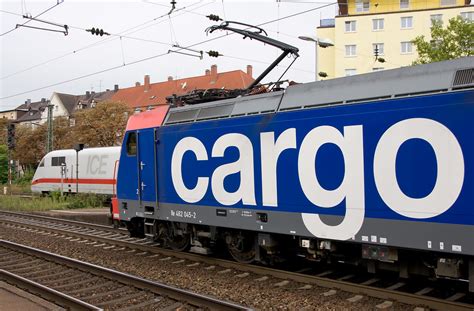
381,48
468,15
350,72
378,24
406,19
404,4
362,6
436,17
350,26
378,68
350,50
406,44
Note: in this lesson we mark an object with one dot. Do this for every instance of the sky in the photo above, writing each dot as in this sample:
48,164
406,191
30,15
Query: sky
35,63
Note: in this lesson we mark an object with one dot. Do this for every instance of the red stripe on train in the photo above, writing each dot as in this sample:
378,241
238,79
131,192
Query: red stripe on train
93,181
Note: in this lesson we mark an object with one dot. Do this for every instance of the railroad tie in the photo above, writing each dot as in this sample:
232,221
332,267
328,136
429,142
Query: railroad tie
224,271
355,298
263,278
210,268
384,305
177,261
306,287
242,275
282,283
193,264
165,259
330,293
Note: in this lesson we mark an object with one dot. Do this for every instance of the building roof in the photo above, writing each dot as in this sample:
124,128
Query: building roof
71,102
34,111
142,96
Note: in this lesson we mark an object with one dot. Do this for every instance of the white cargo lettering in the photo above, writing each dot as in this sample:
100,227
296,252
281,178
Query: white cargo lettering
449,160
244,166
196,146
351,189
271,151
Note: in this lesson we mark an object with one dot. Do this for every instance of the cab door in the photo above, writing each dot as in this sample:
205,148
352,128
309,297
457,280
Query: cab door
146,164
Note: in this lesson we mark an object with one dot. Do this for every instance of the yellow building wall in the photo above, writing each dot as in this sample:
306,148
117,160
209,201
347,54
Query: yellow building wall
391,36
381,6
326,57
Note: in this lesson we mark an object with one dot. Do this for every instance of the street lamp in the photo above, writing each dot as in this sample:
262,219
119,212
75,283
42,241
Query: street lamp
322,42
77,147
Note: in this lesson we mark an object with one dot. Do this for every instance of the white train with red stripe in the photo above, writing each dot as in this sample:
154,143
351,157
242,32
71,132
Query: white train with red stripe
95,173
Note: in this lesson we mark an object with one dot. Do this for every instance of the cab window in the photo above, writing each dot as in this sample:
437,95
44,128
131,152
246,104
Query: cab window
41,163
58,161
132,144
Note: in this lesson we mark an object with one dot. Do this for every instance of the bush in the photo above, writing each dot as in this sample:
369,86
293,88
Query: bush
25,179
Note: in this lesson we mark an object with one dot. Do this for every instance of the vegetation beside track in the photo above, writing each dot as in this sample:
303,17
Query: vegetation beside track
52,202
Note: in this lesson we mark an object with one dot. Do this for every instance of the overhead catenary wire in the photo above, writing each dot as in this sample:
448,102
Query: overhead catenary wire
36,16
161,54
112,37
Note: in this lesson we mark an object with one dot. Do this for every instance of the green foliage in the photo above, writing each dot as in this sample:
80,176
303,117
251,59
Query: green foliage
26,178
54,201
3,164
454,41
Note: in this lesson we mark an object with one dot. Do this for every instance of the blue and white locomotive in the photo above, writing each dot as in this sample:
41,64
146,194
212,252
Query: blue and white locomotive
373,168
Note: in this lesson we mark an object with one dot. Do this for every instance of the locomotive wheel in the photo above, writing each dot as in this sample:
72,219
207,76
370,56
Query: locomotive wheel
241,246
179,242
167,232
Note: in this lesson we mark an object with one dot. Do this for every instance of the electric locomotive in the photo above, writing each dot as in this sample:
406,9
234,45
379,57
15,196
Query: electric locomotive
375,169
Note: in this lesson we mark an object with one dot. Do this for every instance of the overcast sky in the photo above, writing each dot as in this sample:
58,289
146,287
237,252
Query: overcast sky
32,60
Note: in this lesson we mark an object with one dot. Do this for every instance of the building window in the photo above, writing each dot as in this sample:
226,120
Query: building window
436,18
377,24
448,2
406,47
350,26
377,68
468,16
137,110
378,47
351,50
406,22
404,4
362,5
350,72
149,108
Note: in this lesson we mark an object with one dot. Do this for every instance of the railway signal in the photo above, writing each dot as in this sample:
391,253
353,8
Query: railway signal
11,136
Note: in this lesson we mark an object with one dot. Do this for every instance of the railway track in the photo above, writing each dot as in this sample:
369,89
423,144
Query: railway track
109,238
78,285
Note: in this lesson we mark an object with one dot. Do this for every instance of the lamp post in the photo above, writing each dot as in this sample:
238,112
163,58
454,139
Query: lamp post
77,147
322,42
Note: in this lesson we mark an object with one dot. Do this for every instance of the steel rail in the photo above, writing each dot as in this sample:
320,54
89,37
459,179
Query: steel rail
47,293
155,287
403,297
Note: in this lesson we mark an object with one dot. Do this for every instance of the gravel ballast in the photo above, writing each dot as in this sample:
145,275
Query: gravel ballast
263,295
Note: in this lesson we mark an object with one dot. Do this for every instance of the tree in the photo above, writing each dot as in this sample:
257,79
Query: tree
3,131
30,145
102,126
454,41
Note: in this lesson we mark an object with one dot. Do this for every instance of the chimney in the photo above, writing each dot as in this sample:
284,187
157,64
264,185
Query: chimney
107,90
28,101
43,100
208,72
170,78
88,94
213,73
137,83
249,70
116,88
146,83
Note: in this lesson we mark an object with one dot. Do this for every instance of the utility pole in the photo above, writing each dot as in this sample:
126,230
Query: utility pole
49,139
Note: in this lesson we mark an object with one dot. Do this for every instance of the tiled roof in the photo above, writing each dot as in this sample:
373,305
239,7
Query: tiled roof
34,111
70,102
156,94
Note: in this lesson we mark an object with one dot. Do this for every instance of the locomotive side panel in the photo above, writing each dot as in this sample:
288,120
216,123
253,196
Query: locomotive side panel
395,173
